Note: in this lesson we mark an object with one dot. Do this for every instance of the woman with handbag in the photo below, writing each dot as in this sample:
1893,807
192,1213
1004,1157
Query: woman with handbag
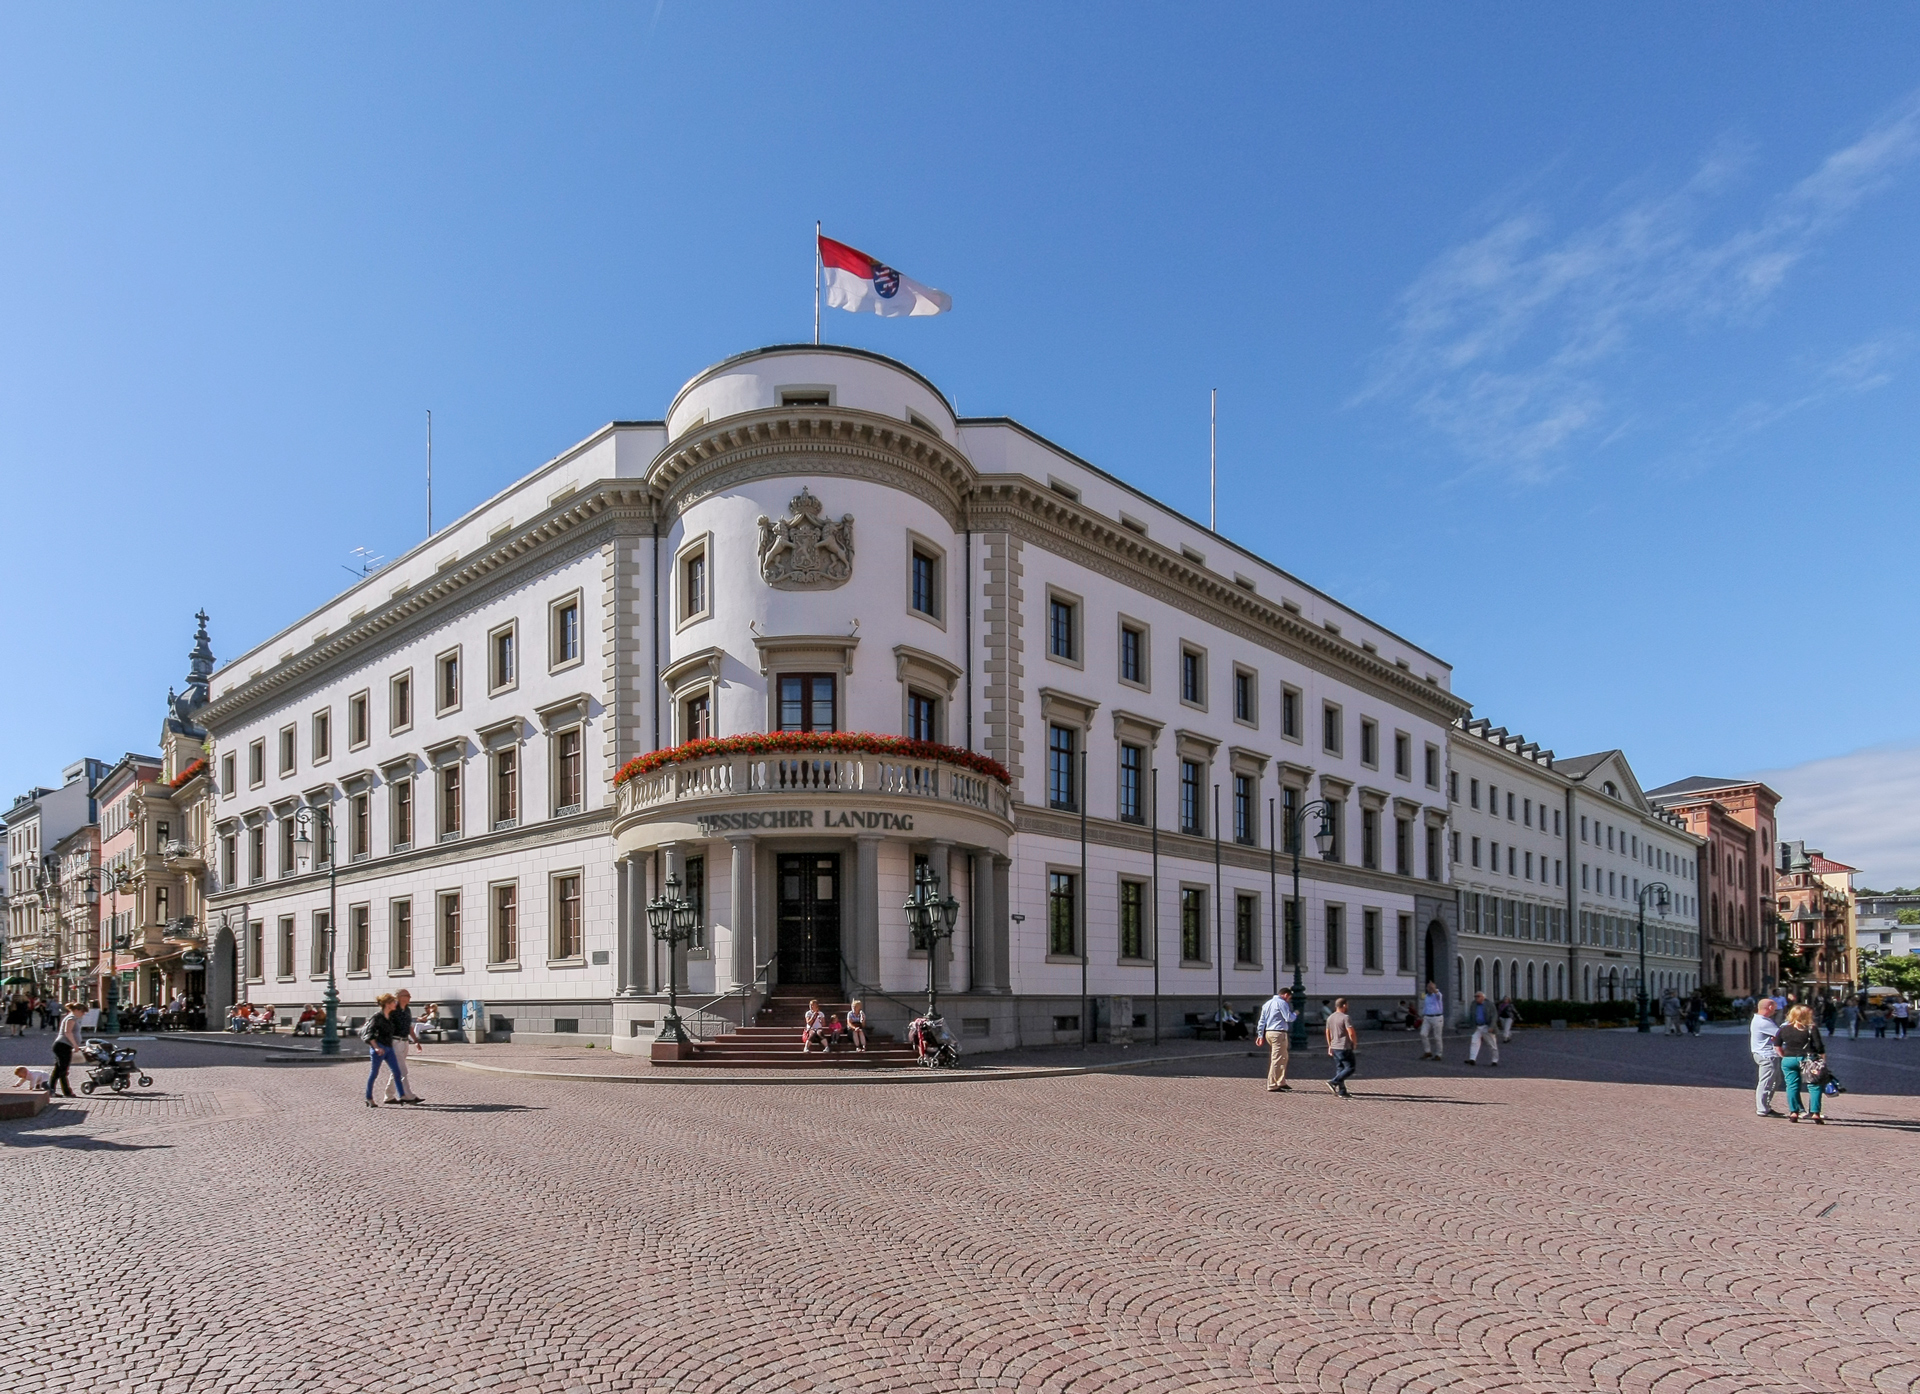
1802,1061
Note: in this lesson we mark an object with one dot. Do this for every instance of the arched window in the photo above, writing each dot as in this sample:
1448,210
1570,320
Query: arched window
1560,981
1586,983
1459,977
1479,976
1529,980
1496,980
1720,969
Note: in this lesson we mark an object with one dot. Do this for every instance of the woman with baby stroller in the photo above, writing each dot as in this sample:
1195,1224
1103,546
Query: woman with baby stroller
932,1043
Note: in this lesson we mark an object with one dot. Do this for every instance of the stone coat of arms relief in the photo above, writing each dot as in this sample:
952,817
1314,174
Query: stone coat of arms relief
805,551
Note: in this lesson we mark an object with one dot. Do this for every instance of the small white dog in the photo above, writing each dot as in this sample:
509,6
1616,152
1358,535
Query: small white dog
30,1077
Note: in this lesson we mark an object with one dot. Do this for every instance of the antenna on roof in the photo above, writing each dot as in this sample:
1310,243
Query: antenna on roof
429,472
1213,475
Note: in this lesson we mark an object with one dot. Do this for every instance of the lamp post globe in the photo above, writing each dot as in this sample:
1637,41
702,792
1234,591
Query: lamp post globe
673,921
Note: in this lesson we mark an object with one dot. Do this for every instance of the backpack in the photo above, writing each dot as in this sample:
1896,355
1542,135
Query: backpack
366,1030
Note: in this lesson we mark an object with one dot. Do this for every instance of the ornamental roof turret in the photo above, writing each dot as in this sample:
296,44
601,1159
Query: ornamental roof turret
183,707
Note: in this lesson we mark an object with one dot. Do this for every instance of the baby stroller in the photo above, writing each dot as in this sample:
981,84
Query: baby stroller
111,1065
933,1043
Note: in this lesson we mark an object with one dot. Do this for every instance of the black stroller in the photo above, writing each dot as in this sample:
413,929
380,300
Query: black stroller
112,1065
933,1043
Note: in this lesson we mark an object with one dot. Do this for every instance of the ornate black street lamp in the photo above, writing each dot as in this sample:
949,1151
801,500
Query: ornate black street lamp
113,880
1323,839
303,859
1658,891
674,922
931,919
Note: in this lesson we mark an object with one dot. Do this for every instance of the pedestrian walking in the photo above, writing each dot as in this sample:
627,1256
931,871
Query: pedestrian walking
1696,1013
1508,1014
1762,1032
1902,1014
378,1034
17,1014
1802,1061
1850,1017
1433,1022
1829,1013
1670,1012
1343,1044
405,1039
65,1043
1276,1018
1484,1018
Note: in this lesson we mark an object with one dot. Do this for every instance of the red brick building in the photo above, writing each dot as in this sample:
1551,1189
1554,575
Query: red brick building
1738,946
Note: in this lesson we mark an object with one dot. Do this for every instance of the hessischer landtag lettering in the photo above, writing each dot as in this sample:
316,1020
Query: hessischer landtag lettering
803,818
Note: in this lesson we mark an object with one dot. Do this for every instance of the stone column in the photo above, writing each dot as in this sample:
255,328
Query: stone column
980,924
865,957
742,910
997,960
624,966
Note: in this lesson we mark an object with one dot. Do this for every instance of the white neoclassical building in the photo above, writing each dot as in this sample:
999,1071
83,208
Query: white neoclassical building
805,634
1550,857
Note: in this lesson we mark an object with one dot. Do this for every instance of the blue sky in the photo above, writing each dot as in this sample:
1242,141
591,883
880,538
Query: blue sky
1577,345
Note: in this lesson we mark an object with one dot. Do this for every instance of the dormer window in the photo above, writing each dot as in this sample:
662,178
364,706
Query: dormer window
806,396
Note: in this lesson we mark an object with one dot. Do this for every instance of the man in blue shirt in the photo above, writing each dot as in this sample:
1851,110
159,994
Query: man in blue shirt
1433,1023
1275,1019
1485,1020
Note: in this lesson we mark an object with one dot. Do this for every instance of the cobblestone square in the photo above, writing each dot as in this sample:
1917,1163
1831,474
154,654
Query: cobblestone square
1603,1212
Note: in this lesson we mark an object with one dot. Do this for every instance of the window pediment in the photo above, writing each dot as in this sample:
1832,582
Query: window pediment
813,652
501,733
1131,726
927,669
702,665
1245,761
447,752
1375,799
570,710
1296,776
1056,705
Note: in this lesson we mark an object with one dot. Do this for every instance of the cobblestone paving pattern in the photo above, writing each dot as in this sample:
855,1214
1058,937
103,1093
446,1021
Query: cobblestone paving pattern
1602,1213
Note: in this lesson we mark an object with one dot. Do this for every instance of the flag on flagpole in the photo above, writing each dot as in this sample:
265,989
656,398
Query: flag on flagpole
856,282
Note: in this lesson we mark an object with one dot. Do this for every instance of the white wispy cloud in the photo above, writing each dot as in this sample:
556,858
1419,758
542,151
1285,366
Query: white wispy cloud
1862,809
1503,342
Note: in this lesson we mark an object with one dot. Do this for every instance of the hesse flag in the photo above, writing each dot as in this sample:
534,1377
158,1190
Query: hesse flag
855,281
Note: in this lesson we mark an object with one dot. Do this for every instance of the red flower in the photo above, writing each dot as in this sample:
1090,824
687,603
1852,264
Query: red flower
814,742
188,773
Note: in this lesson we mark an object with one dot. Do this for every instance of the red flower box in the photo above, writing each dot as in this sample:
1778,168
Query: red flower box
188,773
814,743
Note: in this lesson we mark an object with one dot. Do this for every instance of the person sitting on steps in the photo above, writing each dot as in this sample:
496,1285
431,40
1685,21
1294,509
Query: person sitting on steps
857,1025
813,1028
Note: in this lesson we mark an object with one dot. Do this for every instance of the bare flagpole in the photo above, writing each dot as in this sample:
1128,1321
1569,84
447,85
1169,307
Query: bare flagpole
1213,475
429,473
816,281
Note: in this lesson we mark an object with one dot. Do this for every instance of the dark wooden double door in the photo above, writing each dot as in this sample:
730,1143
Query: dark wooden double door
807,919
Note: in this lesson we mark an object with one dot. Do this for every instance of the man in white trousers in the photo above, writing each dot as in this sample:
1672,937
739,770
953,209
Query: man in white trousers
1485,1020
1276,1019
404,1040
1433,1022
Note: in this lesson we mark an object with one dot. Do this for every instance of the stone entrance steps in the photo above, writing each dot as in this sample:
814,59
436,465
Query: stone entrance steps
773,1042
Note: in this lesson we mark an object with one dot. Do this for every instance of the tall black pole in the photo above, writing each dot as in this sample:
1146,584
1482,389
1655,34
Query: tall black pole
1297,1033
1219,959
1086,1002
330,1028
1273,900
1155,780
1645,1025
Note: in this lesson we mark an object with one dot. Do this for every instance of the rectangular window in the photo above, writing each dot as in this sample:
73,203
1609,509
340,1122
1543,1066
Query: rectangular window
696,717
285,936
1063,768
1290,830
1290,713
322,926
1336,937
400,702
359,938
1193,678
922,717
287,845
358,729
1132,646
1193,924
447,681
257,950
1403,960
256,853
446,931
1243,698
400,936
1433,770
807,702
506,788
286,750
1133,919
1063,927
1369,743
1063,629
502,662
1330,728
1473,793
1370,838
1192,798
450,801
322,735
1289,932
229,779
1370,949
565,629
1433,854
503,937
1246,929
360,827
694,875
926,589
566,916
1403,846
400,813
693,585
1246,824
1403,755
1133,760
229,859
1337,817
569,790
